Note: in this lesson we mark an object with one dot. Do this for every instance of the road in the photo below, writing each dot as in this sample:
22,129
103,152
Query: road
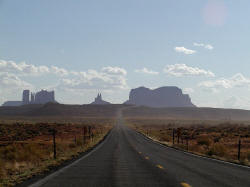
127,158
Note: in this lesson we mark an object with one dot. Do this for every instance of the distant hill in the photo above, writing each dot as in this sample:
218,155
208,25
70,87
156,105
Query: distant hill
188,113
105,111
99,101
53,109
169,96
12,103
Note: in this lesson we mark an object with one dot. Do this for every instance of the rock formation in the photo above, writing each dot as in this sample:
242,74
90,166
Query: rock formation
41,97
99,101
161,97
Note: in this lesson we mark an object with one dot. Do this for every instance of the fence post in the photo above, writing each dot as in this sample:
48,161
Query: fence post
89,133
54,142
83,135
178,135
173,136
239,146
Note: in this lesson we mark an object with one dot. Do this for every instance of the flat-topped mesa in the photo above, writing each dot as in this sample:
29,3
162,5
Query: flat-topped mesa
99,101
169,96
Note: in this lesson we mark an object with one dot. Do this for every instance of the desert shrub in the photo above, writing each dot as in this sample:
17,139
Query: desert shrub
216,139
165,138
2,173
204,140
9,153
196,148
23,152
78,142
32,152
218,150
72,145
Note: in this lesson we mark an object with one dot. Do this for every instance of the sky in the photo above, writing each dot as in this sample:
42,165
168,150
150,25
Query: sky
79,48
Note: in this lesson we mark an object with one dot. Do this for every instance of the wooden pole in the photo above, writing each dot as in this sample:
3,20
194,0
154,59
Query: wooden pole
89,133
83,135
54,142
239,146
173,136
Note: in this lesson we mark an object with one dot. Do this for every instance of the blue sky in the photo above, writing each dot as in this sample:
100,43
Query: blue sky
79,48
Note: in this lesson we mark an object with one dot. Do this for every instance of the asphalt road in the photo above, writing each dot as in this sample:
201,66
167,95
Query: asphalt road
127,158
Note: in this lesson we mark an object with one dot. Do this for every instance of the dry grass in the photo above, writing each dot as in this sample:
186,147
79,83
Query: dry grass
27,149
218,140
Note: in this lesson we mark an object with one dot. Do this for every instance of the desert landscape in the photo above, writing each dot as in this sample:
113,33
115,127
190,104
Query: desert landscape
220,141
26,142
208,135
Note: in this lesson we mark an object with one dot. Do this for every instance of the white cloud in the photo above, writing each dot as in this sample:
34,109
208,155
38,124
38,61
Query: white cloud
13,77
114,70
109,78
184,50
10,81
188,90
59,71
180,70
206,46
146,71
22,68
238,80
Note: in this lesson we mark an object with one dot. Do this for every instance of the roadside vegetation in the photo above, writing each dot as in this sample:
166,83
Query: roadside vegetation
27,149
213,139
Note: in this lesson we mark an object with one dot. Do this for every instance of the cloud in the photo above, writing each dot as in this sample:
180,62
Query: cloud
180,70
114,70
238,80
184,50
108,78
236,102
58,71
206,46
188,90
10,81
22,68
146,71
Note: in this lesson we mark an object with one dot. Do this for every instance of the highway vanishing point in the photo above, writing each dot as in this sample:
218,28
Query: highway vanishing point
127,158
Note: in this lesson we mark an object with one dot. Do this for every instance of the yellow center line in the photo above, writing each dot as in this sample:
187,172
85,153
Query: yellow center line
159,166
146,157
183,184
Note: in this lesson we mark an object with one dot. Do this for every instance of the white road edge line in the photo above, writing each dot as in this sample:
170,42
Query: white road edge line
192,154
56,173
